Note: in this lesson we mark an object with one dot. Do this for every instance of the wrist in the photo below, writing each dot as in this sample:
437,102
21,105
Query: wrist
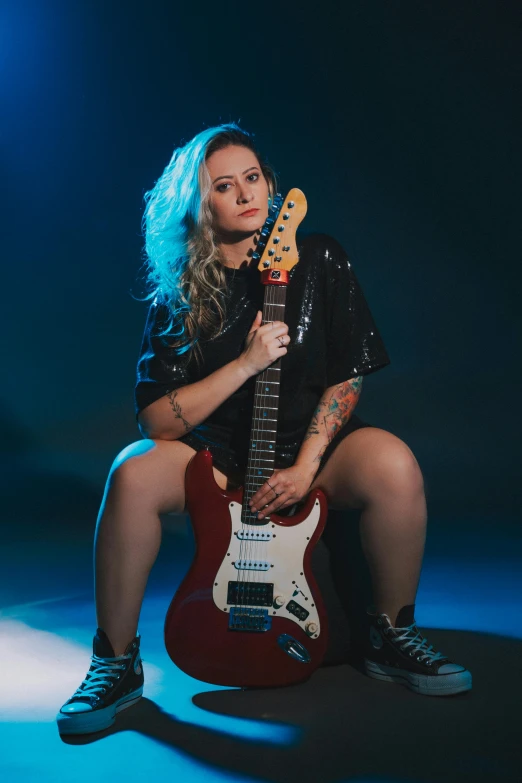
307,467
242,369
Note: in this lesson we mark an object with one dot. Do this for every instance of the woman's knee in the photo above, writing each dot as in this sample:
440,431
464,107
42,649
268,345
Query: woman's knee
152,471
396,468
378,463
129,466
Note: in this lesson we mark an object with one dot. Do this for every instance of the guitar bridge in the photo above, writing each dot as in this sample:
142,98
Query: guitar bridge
241,618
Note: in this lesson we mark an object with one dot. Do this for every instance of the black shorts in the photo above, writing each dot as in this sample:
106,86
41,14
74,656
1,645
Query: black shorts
233,464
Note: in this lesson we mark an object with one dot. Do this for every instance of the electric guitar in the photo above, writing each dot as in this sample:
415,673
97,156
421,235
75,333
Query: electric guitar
249,612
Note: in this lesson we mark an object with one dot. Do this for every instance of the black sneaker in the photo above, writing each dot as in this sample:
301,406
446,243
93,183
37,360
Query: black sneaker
401,654
113,683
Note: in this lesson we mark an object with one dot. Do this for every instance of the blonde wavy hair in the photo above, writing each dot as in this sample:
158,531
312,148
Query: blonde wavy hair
183,261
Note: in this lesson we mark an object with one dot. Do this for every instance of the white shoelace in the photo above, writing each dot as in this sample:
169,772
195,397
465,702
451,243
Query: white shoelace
103,675
413,638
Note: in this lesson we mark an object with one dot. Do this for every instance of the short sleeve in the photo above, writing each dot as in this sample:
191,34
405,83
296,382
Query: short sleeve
354,344
160,369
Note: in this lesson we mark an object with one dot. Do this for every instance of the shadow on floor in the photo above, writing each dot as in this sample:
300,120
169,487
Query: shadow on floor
345,726
348,725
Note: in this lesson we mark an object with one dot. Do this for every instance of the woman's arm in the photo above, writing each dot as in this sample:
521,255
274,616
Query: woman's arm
333,411
176,413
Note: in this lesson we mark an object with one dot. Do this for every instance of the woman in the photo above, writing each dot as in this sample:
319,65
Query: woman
204,344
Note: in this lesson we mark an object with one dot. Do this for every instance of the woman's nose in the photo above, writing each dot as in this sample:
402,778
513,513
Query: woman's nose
245,196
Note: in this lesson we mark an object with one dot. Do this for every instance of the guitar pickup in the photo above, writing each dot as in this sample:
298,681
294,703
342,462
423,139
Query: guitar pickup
250,593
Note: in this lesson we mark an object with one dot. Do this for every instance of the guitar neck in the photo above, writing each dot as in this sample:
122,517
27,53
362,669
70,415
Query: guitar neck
261,455
277,254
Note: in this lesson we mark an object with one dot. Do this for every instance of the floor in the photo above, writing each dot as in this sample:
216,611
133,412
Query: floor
339,726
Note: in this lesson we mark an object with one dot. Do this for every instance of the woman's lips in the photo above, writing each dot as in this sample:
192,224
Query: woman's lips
249,213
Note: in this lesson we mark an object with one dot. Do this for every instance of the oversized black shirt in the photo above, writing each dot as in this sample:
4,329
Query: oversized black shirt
333,338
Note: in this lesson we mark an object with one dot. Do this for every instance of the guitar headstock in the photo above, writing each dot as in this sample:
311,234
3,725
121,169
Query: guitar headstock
277,247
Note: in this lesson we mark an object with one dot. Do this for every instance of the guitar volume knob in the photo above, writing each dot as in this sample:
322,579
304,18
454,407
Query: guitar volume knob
279,601
311,628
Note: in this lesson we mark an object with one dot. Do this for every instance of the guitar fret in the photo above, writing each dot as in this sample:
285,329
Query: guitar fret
263,437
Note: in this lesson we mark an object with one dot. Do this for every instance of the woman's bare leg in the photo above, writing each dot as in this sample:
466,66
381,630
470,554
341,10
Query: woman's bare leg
146,479
373,470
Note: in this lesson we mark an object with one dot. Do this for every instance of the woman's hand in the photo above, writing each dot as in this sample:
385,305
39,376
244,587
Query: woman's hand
291,484
264,344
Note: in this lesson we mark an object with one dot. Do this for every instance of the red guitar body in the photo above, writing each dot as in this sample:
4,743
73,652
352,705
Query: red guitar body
278,634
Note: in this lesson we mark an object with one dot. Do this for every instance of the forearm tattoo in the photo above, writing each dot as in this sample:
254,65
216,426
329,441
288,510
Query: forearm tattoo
176,407
334,410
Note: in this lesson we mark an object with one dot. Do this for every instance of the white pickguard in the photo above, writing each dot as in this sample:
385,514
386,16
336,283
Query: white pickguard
284,553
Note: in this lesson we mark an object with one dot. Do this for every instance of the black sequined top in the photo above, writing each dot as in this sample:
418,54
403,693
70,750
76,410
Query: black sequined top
333,338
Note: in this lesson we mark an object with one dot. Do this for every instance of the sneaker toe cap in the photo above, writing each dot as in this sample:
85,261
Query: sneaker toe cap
451,668
76,707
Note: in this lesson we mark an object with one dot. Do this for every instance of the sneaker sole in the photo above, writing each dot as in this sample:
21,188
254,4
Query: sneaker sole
97,720
428,685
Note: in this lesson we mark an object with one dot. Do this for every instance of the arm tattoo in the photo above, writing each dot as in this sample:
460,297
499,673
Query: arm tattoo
176,407
334,410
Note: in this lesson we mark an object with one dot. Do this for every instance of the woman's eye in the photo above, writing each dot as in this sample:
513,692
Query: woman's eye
224,184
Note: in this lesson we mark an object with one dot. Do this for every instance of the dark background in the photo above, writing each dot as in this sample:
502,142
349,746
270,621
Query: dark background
400,122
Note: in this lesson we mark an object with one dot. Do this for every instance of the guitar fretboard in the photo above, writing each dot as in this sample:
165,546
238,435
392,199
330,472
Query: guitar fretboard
261,455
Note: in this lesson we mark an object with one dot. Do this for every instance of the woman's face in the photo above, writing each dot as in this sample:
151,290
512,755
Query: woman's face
238,186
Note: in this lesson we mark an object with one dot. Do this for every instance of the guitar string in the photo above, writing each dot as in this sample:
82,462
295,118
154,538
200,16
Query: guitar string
257,439
264,426
274,294
245,543
245,579
246,548
254,546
